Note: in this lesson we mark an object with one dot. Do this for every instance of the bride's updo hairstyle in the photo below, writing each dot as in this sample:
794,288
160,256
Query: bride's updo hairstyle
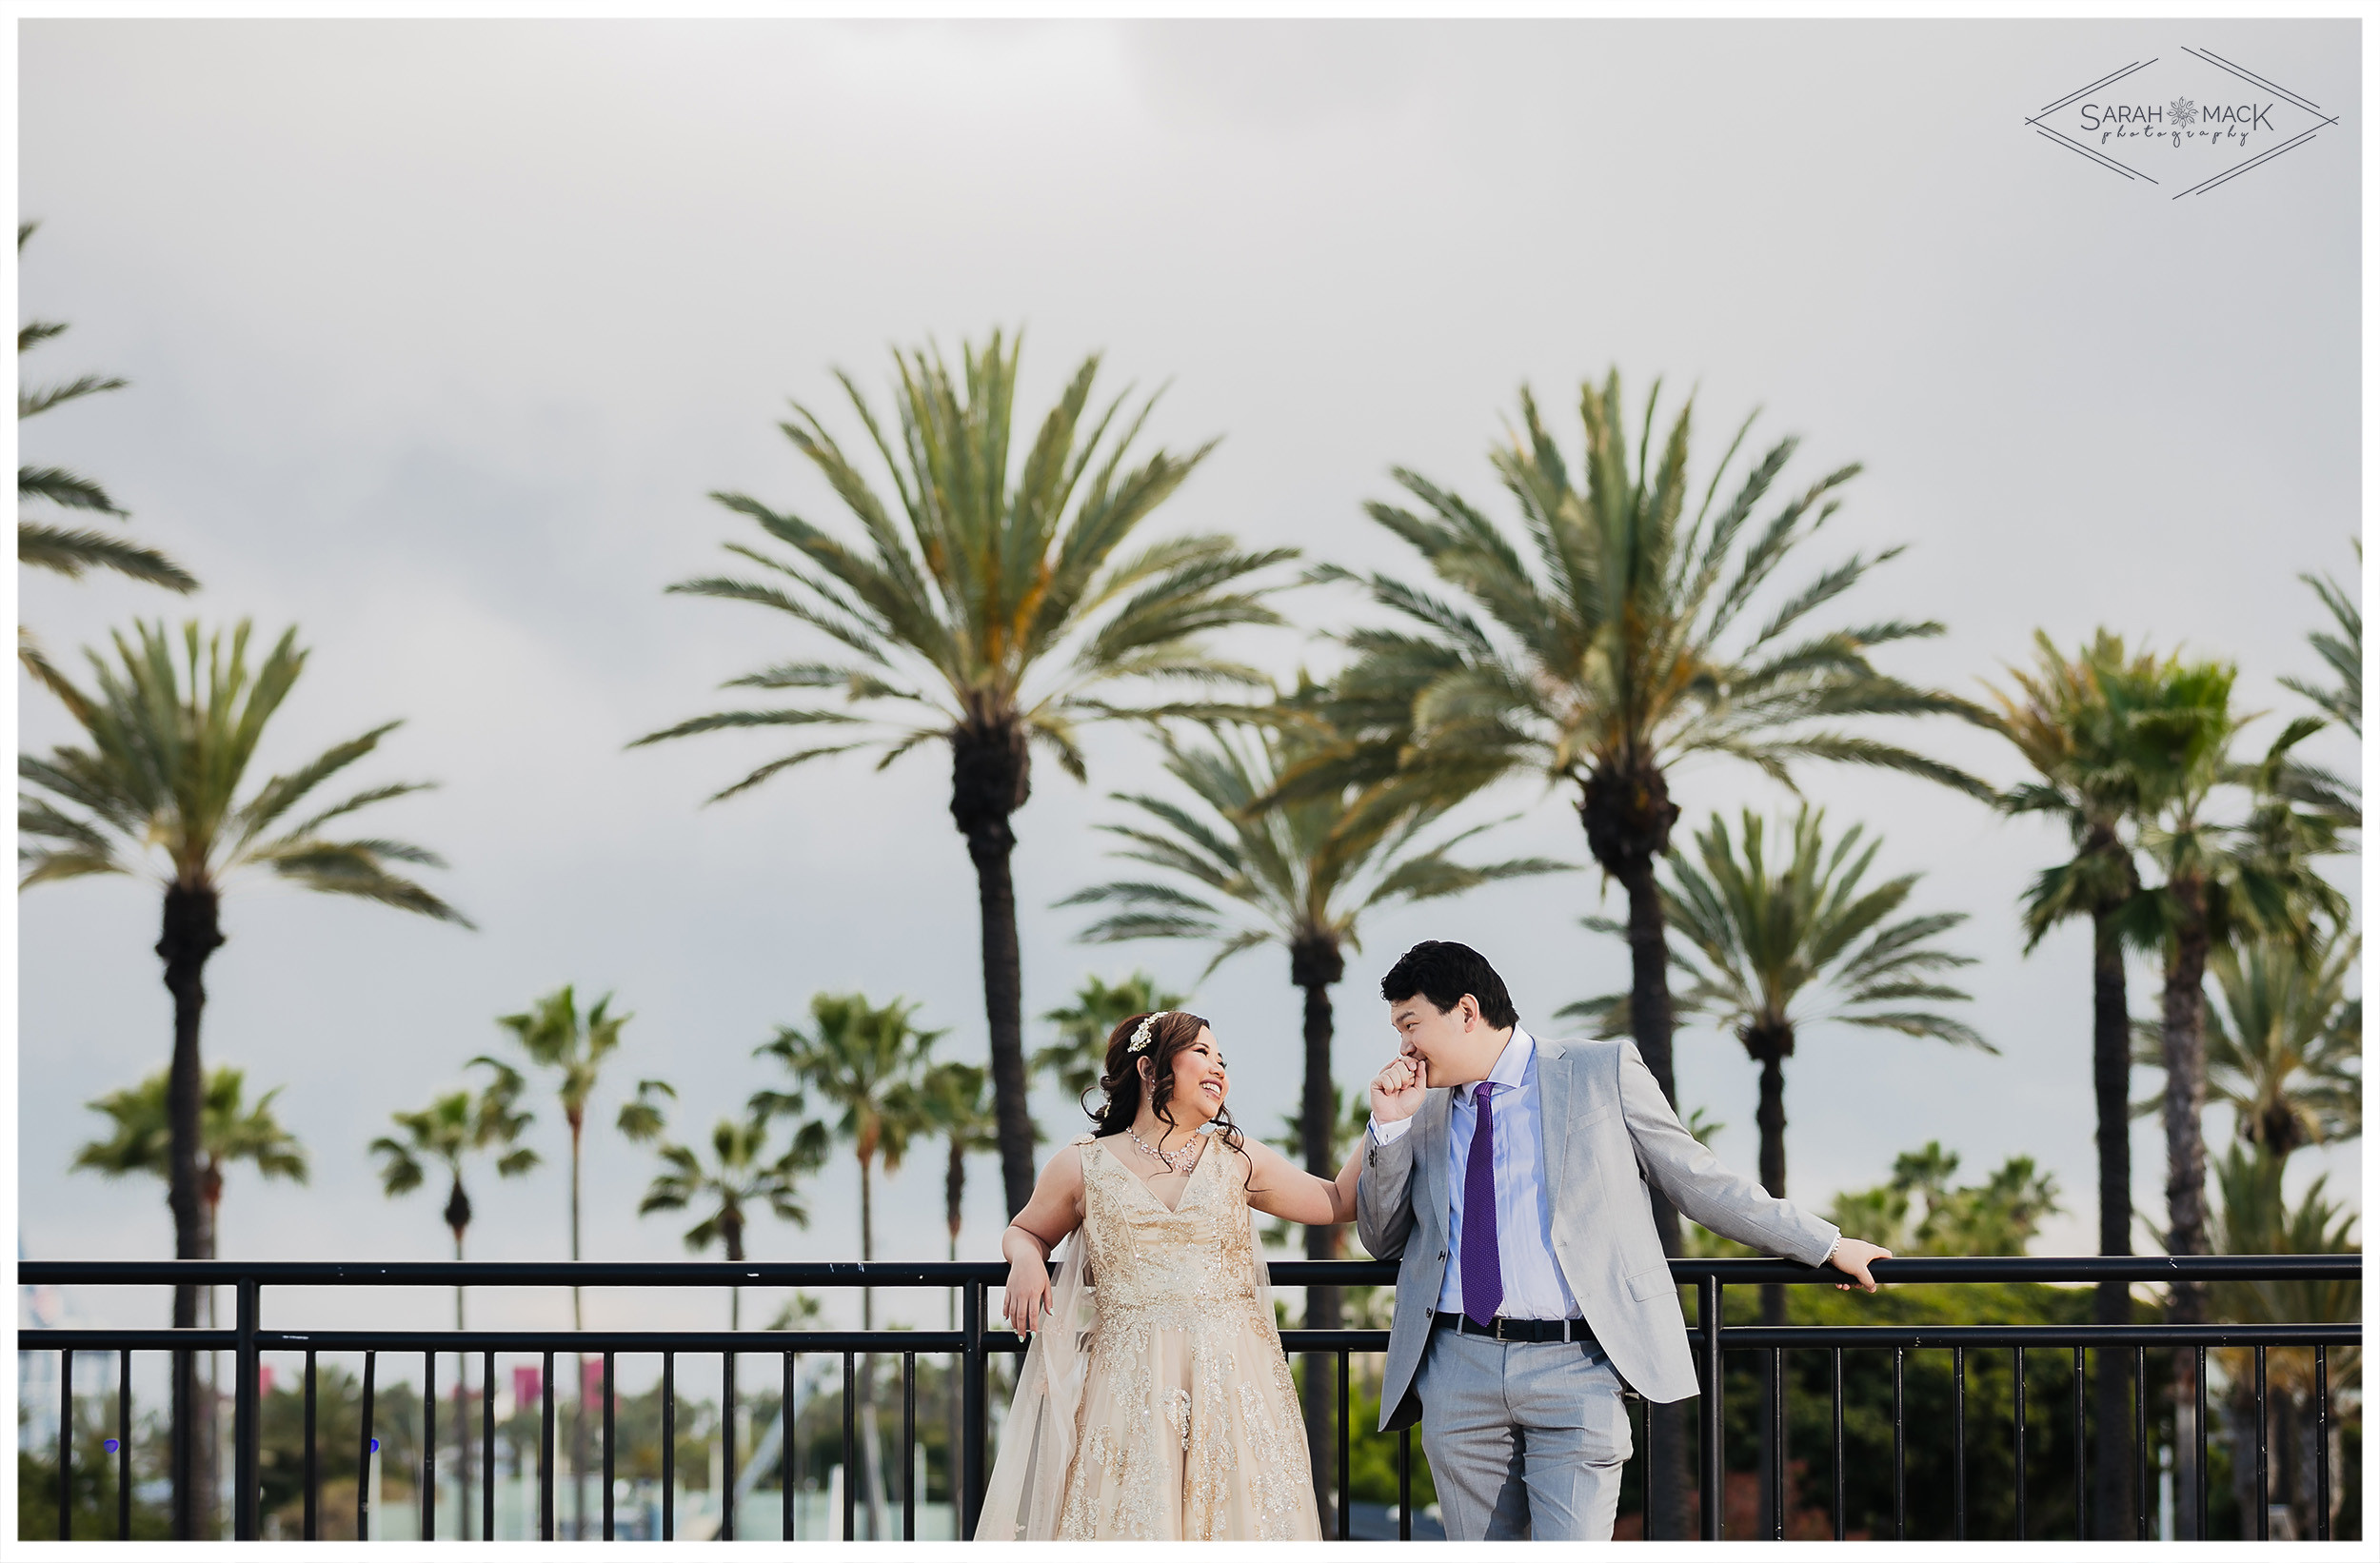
1119,1078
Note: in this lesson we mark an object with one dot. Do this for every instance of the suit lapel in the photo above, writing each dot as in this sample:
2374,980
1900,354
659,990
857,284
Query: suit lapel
1434,1137
1553,1083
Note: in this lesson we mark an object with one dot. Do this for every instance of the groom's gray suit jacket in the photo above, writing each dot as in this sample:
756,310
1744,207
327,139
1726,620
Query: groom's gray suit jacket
1606,1130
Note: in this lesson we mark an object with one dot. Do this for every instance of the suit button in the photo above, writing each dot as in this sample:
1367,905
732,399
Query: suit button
1429,1313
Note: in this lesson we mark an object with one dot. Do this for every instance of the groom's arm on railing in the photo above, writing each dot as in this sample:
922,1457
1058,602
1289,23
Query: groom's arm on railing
1704,1188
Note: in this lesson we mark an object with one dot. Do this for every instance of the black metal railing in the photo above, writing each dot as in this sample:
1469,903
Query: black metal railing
972,1345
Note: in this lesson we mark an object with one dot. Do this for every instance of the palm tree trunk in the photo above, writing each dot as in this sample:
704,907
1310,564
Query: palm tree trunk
990,780
191,933
2110,1073
2185,1051
1628,815
1315,963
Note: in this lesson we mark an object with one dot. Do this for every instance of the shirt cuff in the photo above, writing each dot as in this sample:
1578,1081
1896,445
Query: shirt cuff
1388,1133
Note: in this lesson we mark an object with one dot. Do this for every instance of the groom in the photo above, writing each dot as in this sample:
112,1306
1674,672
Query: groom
1511,1173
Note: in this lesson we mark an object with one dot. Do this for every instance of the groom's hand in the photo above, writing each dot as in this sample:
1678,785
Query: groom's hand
1397,1090
1852,1258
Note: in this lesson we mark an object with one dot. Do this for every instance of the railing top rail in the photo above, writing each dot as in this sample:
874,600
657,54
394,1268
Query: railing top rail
1733,1338
1284,1272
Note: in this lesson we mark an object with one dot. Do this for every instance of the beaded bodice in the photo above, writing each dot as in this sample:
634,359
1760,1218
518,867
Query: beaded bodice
1168,1267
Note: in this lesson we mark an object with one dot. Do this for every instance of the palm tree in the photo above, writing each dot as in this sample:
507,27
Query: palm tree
740,1177
1076,1060
2224,882
1298,874
2221,882
1754,940
2342,653
1624,651
231,1130
2089,728
951,1102
457,1125
157,791
556,1036
454,1126
72,550
2284,1043
989,617
2255,1217
862,1062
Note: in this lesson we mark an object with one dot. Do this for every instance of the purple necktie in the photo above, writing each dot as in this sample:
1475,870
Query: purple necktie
1482,1267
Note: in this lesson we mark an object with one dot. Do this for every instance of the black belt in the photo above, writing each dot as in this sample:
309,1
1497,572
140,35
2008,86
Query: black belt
1517,1329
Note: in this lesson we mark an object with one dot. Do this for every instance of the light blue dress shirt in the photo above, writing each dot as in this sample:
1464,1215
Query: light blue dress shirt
1534,1287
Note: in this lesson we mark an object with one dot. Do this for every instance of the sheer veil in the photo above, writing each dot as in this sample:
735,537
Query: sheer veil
1028,1480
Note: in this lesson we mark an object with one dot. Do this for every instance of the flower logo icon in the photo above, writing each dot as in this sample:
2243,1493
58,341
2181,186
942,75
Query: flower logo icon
2182,112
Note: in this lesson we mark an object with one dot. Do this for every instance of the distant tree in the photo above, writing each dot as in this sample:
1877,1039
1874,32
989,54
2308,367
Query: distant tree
2342,653
2001,1215
1300,876
2253,1216
1076,1060
157,793
863,1063
2284,1043
740,1177
69,551
1768,948
454,1128
231,1130
982,612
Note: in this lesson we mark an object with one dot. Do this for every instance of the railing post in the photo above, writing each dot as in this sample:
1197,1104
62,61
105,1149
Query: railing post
2264,1473
429,1445
245,1443
2198,1473
2019,1378
66,1445
908,1446
1900,1451
487,1447
546,1451
2321,1442
1713,1424
124,1447
609,1361
971,1413
2082,1530
367,1448
1958,1443
668,1446
311,1524
727,1446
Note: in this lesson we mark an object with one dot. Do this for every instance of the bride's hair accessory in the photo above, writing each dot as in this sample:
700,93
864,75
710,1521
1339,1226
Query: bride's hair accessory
1141,1033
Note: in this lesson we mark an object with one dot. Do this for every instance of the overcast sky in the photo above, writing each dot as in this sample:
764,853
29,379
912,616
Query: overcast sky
439,333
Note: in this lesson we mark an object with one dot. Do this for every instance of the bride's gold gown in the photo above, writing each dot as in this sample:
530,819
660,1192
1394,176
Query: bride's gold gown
1189,1427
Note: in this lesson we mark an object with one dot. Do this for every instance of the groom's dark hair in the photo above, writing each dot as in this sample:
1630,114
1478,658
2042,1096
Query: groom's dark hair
1442,972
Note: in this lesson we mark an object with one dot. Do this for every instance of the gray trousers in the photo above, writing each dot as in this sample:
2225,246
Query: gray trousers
1526,1438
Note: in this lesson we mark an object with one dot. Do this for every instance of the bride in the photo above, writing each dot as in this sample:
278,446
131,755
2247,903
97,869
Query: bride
1154,1402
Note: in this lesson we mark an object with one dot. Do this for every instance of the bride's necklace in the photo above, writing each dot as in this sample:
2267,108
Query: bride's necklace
1175,1162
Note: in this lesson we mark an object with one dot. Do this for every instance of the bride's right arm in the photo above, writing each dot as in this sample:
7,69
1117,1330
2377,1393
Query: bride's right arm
1055,1210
